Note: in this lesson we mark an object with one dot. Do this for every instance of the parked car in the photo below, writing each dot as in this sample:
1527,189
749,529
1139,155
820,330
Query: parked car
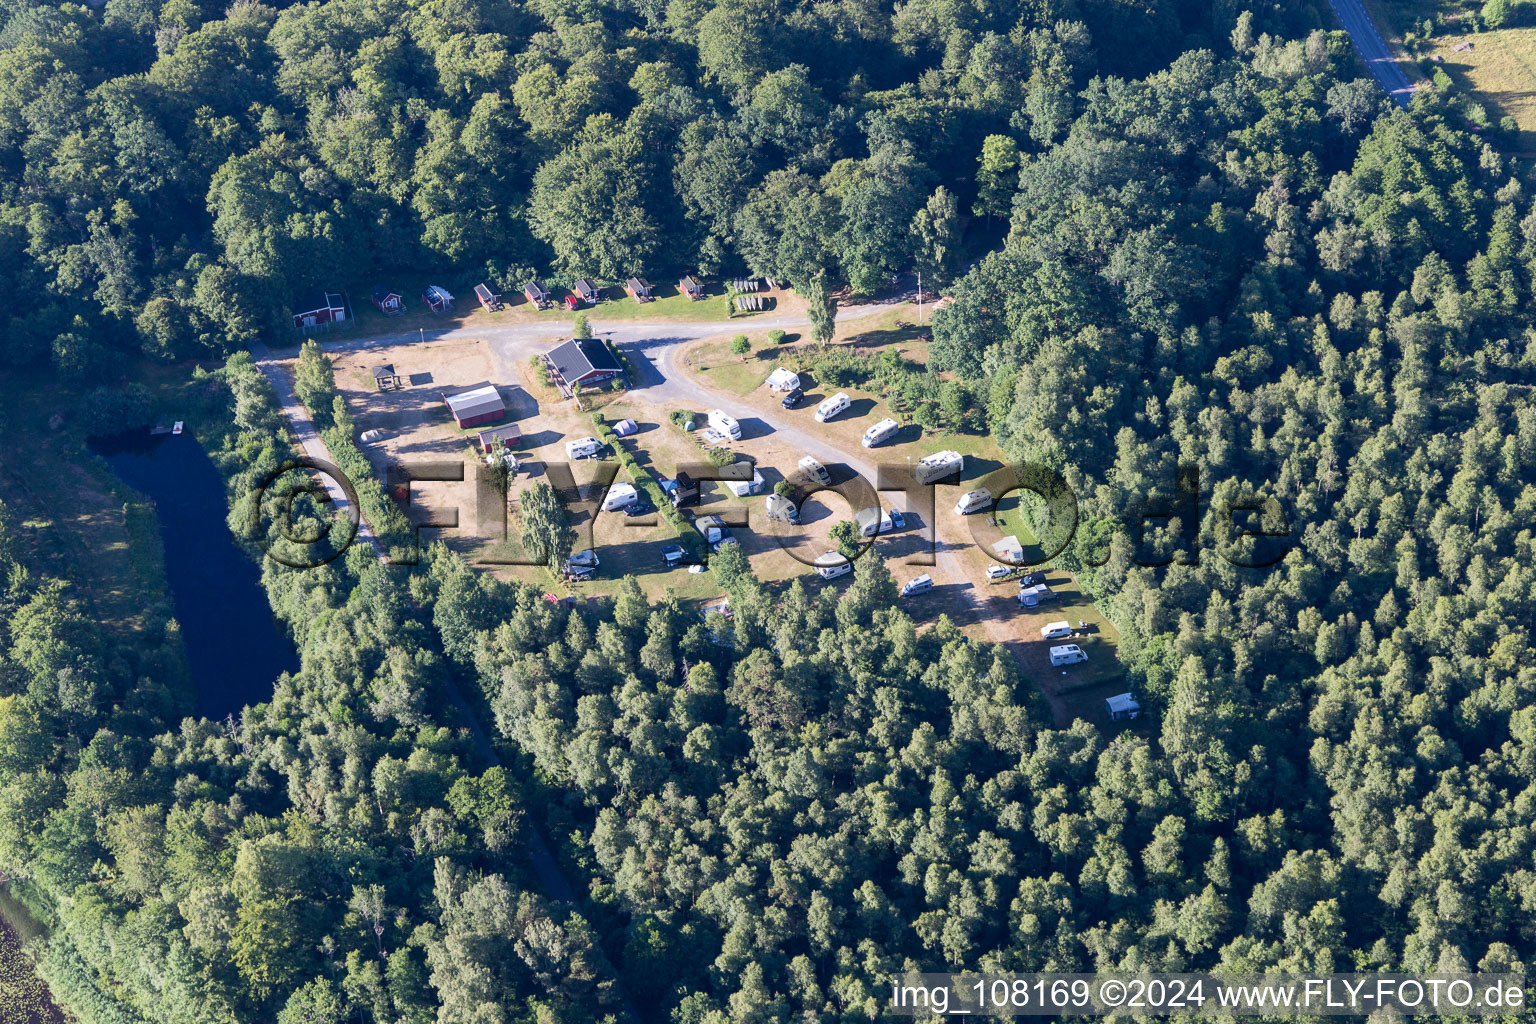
1032,579
793,398
640,507
898,521
997,572
671,555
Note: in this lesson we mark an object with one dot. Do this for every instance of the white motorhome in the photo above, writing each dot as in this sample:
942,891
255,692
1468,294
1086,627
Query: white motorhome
920,585
1067,654
830,407
880,433
582,448
725,423
782,509
872,520
935,467
973,501
831,564
620,495
1055,630
814,472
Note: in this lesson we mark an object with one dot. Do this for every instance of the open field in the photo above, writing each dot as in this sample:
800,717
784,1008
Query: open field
82,523
1498,71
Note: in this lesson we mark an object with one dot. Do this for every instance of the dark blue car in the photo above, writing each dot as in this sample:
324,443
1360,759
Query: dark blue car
793,398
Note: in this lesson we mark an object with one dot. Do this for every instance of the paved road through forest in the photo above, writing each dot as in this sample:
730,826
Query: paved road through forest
1373,49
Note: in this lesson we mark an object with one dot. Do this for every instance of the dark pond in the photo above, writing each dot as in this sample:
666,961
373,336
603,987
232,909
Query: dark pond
236,648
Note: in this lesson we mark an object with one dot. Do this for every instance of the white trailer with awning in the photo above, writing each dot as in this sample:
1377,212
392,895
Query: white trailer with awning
783,380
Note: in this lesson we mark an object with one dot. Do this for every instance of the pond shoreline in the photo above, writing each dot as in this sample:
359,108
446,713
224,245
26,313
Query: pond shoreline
24,997
236,648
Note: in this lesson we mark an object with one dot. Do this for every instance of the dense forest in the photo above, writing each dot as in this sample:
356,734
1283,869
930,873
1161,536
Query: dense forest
1200,236
172,174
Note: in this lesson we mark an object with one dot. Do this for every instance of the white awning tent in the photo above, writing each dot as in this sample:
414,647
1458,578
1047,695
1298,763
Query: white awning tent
1009,551
742,488
783,380
1122,706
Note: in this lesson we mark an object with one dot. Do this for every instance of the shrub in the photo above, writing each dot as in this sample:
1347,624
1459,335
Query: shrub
784,489
721,456
116,409
679,416
775,337
583,327
624,364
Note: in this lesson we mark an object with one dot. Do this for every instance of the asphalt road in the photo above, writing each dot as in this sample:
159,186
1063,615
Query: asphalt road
1373,49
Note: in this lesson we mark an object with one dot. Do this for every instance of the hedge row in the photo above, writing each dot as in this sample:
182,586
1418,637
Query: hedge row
389,523
336,427
647,482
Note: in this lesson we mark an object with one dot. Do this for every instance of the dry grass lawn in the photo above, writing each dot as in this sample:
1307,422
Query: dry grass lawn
1499,71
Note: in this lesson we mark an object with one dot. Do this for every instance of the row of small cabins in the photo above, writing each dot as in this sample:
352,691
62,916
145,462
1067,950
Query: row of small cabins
586,293
322,309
